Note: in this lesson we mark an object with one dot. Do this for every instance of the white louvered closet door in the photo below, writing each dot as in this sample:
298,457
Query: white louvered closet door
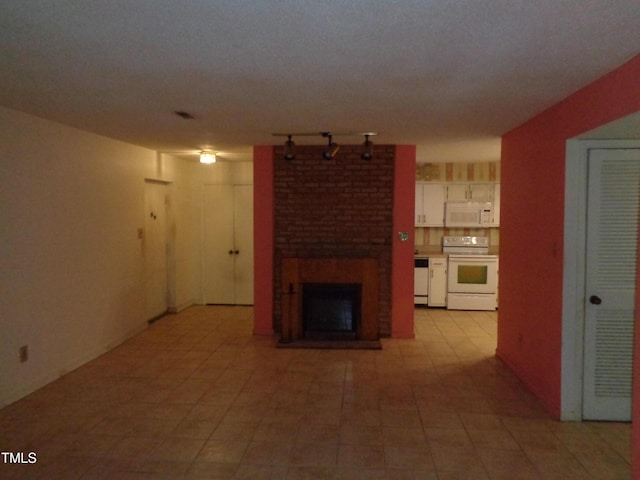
612,235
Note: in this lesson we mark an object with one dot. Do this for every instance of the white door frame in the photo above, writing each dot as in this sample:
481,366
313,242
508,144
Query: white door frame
575,215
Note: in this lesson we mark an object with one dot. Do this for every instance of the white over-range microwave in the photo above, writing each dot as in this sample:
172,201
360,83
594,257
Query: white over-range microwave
468,214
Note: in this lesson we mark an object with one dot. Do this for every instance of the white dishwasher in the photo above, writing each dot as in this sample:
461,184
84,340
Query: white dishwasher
420,281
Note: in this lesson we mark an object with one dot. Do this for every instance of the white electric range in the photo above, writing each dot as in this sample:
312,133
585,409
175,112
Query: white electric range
472,274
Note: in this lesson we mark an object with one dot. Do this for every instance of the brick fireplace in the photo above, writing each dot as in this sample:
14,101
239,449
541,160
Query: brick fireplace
361,273
334,218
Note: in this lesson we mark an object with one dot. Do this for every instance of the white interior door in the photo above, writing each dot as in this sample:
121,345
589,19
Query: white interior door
228,238
612,228
155,250
218,245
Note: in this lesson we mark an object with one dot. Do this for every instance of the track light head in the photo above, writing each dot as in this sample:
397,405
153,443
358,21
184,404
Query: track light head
367,152
331,150
289,149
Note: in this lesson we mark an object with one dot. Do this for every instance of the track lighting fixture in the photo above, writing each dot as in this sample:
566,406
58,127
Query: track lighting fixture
367,151
331,150
207,157
289,149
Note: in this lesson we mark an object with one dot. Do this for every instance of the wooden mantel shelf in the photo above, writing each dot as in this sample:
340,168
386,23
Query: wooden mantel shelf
298,271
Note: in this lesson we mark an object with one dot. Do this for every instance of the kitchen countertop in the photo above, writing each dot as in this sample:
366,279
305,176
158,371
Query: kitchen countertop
427,252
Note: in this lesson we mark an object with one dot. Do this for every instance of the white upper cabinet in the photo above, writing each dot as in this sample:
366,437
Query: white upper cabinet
496,205
418,216
481,192
470,192
458,192
430,200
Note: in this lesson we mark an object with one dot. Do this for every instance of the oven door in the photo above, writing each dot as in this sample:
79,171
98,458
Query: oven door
473,274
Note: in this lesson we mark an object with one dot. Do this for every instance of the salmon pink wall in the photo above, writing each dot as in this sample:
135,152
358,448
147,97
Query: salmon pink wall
532,203
402,252
263,202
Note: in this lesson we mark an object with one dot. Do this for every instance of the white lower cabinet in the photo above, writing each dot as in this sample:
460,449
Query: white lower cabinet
438,282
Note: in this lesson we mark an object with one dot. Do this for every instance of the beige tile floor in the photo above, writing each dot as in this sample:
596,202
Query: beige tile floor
196,396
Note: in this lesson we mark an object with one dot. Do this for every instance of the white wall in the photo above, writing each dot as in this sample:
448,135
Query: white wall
71,269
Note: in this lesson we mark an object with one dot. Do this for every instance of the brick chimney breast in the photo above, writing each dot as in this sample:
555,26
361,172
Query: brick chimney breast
335,208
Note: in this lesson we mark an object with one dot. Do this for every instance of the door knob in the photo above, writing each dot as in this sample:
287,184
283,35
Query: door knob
595,300
230,252
236,252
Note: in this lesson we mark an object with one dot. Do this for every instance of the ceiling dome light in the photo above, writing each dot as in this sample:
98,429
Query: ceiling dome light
289,149
367,152
207,157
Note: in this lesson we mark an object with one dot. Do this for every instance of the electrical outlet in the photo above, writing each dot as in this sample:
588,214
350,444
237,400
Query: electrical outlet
24,353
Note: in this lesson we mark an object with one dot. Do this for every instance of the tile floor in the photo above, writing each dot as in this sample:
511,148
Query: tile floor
196,396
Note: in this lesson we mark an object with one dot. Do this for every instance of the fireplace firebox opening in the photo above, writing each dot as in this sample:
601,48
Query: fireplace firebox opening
361,272
330,311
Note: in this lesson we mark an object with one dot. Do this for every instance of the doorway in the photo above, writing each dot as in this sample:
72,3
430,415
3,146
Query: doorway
601,214
155,246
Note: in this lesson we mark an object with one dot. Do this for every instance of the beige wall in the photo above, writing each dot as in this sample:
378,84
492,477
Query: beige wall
71,282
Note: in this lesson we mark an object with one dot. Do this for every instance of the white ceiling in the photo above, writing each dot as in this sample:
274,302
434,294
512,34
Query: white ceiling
449,76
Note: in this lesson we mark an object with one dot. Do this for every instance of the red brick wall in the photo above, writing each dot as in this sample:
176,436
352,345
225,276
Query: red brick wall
335,208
